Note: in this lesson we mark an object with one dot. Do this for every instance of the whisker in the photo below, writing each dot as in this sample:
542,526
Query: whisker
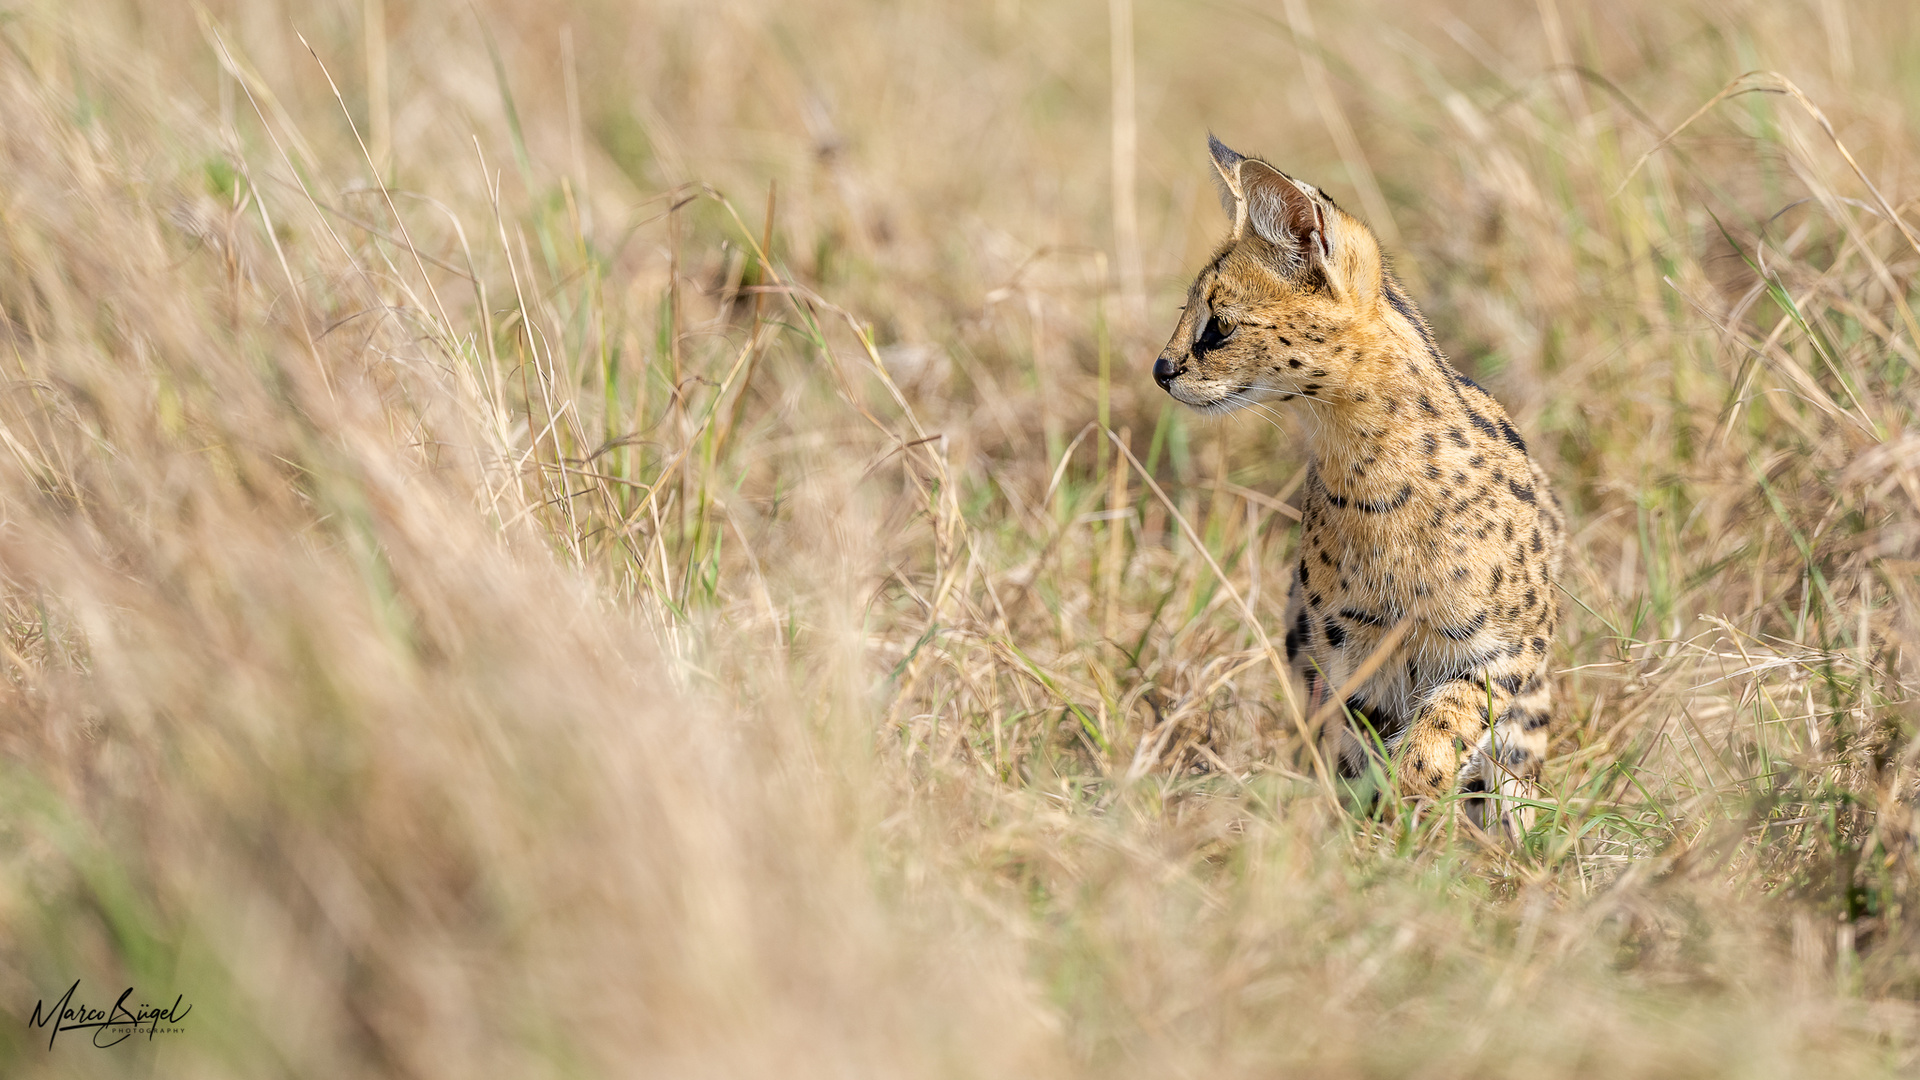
1259,408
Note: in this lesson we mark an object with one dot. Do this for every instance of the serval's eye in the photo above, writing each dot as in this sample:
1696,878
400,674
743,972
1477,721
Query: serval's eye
1215,334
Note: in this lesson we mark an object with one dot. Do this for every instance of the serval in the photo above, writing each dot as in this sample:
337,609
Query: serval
1424,525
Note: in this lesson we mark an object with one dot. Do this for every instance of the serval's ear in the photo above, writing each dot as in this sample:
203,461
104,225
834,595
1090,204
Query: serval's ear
1226,175
1286,214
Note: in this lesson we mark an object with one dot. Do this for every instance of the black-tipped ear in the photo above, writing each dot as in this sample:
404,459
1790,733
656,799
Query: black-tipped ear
1227,181
1284,213
1226,176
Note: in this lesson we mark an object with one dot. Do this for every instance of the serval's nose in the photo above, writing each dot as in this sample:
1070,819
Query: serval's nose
1165,370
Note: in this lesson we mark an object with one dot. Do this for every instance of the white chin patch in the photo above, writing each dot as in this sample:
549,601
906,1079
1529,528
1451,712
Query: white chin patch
1212,403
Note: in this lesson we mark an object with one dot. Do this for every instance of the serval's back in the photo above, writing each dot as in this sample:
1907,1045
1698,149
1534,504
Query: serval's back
1422,505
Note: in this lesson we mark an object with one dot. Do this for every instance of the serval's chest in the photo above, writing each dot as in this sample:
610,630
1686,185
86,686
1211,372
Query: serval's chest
1425,510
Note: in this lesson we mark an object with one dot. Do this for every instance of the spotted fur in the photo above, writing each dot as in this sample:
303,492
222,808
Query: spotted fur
1421,503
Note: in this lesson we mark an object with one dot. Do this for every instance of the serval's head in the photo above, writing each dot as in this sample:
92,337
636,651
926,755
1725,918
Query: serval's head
1296,302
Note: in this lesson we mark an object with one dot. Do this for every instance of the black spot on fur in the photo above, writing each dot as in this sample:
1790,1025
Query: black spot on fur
1365,618
1513,437
1524,494
1459,437
1372,506
1426,406
1482,424
1336,635
1468,629
1428,443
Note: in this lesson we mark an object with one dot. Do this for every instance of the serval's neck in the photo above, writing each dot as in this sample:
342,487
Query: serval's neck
1405,397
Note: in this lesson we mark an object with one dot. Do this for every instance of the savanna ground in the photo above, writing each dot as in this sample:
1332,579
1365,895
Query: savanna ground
583,538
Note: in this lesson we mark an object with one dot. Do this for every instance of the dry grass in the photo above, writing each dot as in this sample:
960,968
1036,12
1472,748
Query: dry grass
596,549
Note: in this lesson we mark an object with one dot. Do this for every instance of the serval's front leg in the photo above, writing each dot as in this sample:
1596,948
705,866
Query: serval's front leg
1504,760
1499,778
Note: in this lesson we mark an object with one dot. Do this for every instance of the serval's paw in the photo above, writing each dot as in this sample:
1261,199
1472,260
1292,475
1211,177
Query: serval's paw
1425,765
1504,810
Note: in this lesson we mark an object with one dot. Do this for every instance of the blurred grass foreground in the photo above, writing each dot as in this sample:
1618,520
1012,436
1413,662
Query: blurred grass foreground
593,539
